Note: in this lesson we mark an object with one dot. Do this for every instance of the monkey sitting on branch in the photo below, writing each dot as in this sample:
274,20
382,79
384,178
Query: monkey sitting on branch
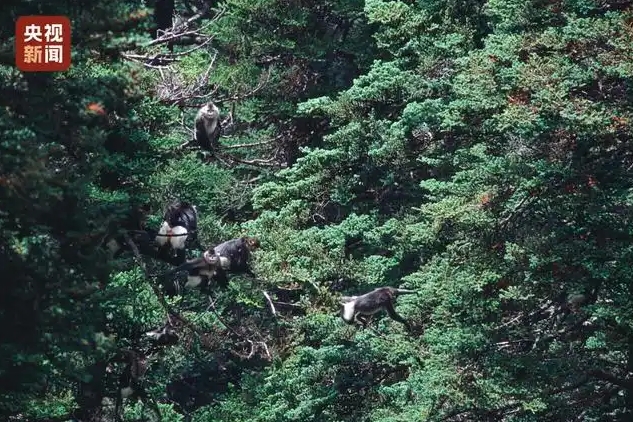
200,271
231,256
206,129
164,336
358,308
179,229
234,254
130,382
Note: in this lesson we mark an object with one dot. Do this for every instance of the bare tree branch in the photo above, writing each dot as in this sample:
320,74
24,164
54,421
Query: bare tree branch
157,58
174,90
254,144
263,81
238,335
270,302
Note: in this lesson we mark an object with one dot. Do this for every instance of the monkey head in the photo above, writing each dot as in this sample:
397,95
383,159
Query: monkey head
211,258
252,243
210,110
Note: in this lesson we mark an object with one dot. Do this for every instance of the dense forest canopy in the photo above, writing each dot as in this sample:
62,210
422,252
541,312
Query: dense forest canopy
477,153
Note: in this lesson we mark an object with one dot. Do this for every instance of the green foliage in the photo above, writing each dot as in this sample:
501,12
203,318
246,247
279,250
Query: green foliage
475,152
495,144
75,157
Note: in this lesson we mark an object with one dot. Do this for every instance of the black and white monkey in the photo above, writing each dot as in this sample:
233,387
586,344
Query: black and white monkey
130,382
207,127
201,271
178,230
231,256
132,226
164,336
144,240
358,308
235,253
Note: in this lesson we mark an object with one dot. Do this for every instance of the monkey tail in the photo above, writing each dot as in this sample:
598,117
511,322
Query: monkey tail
406,291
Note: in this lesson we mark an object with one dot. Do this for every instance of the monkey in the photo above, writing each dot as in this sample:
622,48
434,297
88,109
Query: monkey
235,253
207,127
174,237
129,382
180,213
133,224
146,242
167,335
142,238
201,270
356,308
228,257
164,336
179,228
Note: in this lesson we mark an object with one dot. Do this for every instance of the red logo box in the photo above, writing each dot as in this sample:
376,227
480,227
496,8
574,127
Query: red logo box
42,43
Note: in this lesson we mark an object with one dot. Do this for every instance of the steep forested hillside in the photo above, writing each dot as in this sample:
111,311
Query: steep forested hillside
478,153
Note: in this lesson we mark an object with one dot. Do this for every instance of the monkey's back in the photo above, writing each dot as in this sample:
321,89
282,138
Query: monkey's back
230,247
374,301
184,216
236,251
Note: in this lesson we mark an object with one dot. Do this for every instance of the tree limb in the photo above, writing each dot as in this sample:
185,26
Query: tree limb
270,302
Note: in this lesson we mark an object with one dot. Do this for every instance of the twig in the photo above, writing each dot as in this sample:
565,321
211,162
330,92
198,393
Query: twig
515,211
255,162
185,144
211,303
215,312
254,144
240,96
250,181
251,342
270,302
266,349
179,31
290,305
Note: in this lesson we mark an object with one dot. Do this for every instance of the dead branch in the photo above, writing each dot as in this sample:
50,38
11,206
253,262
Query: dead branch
250,181
174,56
251,342
523,316
625,383
186,144
263,81
270,302
157,59
265,347
228,120
253,144
258,162
174,90
177,32
181,29
516,211
287,304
